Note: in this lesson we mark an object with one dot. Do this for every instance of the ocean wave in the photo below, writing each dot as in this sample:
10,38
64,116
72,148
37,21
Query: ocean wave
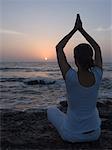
12,79
30,81
19,69
11,68
28,69
106,83
40,81
107,67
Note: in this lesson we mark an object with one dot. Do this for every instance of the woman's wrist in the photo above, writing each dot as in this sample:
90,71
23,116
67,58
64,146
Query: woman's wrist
81,29
74,29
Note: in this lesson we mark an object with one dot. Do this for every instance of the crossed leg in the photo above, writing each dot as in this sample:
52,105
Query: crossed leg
56,117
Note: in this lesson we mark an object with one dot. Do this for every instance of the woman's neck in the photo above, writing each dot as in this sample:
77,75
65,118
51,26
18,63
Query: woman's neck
82,70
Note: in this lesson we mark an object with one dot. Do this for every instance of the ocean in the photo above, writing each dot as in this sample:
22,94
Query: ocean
27,85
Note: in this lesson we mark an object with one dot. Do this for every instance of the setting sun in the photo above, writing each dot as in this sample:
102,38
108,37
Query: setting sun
46,58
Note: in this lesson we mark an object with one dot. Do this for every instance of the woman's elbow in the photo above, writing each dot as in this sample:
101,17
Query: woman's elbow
98,47
59,47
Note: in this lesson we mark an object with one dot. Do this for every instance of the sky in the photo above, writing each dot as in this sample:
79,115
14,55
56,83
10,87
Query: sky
30,29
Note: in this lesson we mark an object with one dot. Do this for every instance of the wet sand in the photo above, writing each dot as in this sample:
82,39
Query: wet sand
30,130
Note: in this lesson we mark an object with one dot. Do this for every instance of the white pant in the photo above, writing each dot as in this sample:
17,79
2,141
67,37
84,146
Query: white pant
57,118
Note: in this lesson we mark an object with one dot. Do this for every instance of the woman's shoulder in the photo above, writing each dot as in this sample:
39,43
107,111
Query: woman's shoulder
70,73
97,71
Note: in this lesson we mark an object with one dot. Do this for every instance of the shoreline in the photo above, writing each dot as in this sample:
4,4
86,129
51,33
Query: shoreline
31,130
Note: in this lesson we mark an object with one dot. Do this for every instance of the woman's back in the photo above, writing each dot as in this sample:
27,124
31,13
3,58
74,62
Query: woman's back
82,112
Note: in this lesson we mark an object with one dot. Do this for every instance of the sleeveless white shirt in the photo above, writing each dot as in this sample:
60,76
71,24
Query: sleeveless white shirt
82,113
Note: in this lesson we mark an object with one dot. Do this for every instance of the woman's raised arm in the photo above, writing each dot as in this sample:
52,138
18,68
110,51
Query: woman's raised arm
94,44
62,61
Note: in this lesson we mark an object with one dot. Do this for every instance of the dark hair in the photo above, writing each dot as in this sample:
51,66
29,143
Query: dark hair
83,53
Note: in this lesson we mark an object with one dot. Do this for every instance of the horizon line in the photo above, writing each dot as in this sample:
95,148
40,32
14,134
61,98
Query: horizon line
19,61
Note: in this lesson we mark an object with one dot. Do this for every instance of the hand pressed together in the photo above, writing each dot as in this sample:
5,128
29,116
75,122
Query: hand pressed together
78,23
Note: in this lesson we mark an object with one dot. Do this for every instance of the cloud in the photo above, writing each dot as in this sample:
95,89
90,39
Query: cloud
5,31
102,29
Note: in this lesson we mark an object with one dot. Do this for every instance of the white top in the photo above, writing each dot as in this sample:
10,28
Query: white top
82,114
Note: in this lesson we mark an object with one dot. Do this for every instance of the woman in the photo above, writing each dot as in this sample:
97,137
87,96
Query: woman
81,123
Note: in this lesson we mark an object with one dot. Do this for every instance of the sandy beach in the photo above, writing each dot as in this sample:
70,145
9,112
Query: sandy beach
30,129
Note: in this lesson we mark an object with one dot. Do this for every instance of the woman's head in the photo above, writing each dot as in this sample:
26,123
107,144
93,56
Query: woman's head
83,54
